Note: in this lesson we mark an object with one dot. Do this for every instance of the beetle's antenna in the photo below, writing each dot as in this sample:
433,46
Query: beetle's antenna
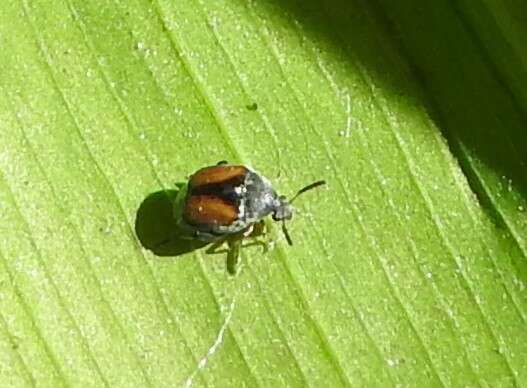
302,190
286,233
307,188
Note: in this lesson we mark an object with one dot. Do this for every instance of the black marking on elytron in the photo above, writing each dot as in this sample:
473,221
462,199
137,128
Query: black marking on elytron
224,190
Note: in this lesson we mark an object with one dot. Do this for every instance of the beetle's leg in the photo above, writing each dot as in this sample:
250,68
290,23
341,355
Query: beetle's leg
213,249
233,255
260,230
222,162
261,243
248,232
254,231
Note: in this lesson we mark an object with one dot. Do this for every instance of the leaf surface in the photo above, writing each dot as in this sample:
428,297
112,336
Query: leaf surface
408,268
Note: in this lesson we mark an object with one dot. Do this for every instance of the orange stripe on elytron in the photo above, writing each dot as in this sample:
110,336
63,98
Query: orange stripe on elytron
209,209
217,175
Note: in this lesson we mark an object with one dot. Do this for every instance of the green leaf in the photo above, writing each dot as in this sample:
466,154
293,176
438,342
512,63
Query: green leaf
409,268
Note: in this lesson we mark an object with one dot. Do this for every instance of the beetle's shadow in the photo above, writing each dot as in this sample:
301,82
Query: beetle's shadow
155,226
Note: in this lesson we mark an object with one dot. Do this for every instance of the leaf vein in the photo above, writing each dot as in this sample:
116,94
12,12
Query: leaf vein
337,174
427,201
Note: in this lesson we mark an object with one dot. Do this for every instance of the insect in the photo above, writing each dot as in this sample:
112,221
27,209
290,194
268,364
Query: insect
226,202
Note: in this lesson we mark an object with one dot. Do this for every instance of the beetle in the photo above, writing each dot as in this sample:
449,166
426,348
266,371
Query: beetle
227,202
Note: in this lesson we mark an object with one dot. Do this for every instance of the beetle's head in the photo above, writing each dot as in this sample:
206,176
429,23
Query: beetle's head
284,210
